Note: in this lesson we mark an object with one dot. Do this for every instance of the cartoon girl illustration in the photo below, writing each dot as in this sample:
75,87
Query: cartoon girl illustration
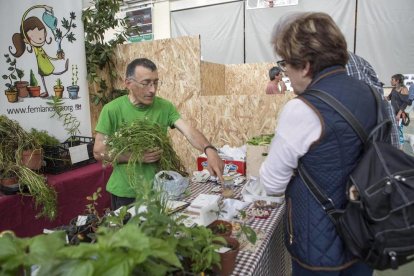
32,37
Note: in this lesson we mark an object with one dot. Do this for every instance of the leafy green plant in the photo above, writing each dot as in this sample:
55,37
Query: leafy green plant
151,243
44,138
93,199
33,80
264,139
97,20
59,35
20,74
70,122
13,70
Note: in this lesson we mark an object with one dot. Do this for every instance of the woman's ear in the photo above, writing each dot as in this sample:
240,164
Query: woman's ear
306,71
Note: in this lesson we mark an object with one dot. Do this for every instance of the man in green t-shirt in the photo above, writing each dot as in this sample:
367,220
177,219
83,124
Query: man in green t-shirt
141,102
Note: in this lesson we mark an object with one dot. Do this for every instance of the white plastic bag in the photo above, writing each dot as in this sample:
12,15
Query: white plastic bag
172,183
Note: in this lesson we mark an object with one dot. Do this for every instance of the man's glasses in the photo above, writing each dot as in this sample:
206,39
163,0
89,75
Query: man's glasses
146,84
282,65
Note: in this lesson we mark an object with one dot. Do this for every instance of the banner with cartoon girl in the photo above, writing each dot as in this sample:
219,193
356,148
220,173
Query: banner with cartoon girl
43,67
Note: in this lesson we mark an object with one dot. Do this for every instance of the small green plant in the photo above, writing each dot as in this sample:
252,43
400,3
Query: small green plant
33,80
59,35
93,199
70,122
13,71
246,230
75,74
20,74
58,83
44,138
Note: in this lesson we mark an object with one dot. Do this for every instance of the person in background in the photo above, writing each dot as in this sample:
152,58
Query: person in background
361,69
276,84
142,82
314,55
399,101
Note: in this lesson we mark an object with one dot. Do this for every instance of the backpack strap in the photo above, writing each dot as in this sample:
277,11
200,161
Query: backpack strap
342,110
326,202
318,194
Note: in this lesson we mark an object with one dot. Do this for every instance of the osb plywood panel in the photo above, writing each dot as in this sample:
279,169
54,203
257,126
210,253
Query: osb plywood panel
247,79
212,79
234,119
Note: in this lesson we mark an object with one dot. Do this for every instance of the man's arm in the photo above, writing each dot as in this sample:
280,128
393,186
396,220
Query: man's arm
200,142
101,154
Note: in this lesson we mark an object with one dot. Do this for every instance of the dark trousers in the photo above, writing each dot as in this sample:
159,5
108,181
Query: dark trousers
358,269
118,201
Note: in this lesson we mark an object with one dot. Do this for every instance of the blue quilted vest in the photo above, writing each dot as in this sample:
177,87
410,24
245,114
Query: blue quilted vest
310,236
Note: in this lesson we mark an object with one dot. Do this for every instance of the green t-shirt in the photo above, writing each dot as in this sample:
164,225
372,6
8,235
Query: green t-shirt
120,111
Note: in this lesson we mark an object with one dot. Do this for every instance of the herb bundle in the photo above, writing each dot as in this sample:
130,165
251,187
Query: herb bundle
137,138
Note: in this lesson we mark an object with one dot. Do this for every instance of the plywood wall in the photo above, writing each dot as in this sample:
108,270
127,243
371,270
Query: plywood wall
247,79
233,119
213,79
226,102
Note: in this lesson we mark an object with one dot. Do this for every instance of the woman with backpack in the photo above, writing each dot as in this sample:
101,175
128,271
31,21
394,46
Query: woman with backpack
313,54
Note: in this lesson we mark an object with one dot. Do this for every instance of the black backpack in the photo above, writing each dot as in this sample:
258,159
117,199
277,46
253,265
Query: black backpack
377,227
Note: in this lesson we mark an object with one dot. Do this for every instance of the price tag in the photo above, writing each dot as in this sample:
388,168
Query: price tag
78,153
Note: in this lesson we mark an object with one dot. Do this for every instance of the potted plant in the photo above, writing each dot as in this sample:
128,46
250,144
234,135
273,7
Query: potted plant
228,254
74,88
34,88
220,227
11,91
58,88
21,85
14,140
9,182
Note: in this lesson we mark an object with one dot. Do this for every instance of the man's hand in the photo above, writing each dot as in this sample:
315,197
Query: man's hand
152,155
214,164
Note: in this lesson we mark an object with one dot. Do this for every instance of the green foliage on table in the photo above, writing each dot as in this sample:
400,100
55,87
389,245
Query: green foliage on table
44,138
151,243
13,141
97,20
264,139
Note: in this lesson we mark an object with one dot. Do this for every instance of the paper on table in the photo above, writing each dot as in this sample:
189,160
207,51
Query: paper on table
78,153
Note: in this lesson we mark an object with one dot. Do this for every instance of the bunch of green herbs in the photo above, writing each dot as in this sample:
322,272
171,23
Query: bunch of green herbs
139,137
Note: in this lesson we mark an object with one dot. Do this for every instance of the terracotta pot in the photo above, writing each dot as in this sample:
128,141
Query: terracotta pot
9,181
12,96
34,91
228,259
58,91
216,228
22,88
33,159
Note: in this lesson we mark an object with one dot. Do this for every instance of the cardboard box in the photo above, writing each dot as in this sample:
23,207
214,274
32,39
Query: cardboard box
235,165
255,155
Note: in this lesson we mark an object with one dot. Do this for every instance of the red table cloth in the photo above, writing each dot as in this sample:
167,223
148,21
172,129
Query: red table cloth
17,212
